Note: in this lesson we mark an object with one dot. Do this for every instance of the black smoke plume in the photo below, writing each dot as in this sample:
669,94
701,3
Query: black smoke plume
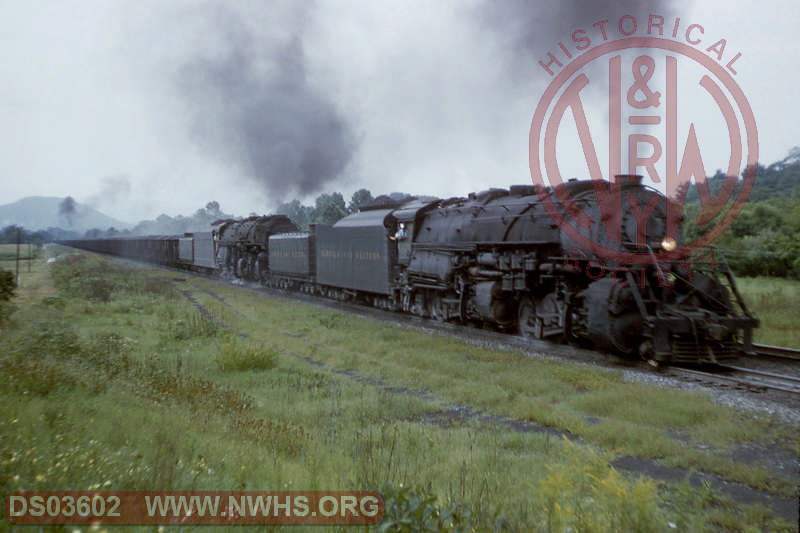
66,209
253,105
528,29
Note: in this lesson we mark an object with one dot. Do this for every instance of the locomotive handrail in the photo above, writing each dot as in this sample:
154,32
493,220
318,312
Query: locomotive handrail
732,281
655,261
515,217
468,246
455,247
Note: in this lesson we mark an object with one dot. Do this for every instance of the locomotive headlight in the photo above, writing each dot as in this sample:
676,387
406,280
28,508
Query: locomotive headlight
668,244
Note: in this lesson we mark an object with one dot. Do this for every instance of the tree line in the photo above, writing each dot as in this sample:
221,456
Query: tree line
327,209
765,237
11,234
763,240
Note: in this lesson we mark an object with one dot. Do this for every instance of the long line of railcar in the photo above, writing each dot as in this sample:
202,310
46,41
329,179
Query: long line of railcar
497,258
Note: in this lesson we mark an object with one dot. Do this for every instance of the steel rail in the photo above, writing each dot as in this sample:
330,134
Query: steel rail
777,352
746,377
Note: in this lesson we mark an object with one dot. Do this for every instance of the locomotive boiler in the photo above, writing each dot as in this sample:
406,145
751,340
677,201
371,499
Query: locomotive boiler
502,257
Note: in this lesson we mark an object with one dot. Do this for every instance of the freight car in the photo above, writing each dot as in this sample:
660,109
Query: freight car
157,249
196,251
292,261
499,258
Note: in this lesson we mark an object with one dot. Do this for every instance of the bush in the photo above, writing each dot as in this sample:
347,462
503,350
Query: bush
236,355
7,285
409,509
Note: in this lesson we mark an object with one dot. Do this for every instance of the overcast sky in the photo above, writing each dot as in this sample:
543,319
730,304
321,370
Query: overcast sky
147,107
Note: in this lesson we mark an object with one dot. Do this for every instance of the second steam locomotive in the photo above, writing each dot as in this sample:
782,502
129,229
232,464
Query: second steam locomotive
498,258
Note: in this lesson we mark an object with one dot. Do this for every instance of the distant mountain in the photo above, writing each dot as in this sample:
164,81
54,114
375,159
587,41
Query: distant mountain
41,212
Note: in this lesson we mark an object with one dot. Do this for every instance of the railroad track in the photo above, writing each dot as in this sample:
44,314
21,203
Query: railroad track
743,378
777,352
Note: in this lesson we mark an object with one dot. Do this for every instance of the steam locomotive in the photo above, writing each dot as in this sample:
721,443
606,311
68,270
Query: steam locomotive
499,258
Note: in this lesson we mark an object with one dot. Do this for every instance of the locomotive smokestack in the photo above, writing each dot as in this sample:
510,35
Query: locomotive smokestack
632,179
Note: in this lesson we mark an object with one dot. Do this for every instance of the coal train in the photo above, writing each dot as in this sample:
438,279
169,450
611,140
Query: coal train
496,258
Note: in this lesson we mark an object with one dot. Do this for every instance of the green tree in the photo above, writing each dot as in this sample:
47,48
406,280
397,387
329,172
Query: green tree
9,234
329,208
360,198
213,209
297,212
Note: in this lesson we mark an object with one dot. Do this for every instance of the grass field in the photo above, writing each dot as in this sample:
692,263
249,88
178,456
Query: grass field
776,302
8,254
113,380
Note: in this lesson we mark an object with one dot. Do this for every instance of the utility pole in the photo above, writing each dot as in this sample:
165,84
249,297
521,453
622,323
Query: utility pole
19,236
30,255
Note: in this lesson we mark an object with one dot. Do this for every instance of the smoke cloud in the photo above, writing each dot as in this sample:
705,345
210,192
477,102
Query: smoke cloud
528,29
252,104
66,209
113,189
301,98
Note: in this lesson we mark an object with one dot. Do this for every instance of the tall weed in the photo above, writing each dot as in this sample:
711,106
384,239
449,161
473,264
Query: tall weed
235,355
584,493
